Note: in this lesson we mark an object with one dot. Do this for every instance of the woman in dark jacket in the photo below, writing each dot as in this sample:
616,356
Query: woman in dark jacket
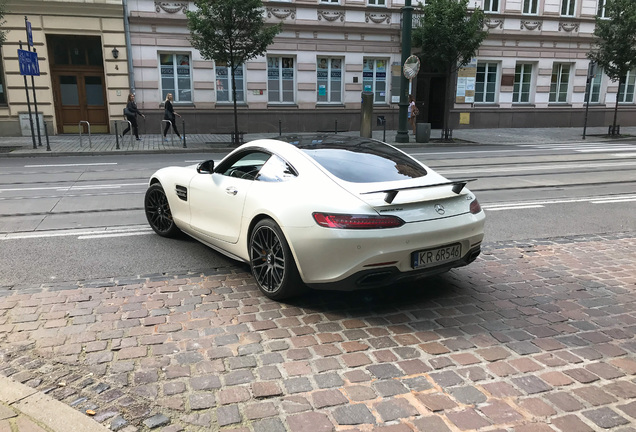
169,114
131,112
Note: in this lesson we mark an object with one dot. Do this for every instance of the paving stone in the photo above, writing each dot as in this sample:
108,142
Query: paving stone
417,384
467,419
622,389
531,384
260,410
395,408
571,423
309,421
594,395
564,401
606,418
468,395
537,407
353,415
156,421
264,389
328,398
384,371
297,385
447,378
201,401
227,415
581,375
328,380
500,412
436,401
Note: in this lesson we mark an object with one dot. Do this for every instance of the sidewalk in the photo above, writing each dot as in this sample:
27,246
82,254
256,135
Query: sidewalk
106,144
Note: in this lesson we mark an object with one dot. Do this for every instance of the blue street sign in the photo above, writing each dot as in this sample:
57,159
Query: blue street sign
29,33
28,63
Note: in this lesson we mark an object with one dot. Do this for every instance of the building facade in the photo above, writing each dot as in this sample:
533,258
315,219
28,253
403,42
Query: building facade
530,72
81,78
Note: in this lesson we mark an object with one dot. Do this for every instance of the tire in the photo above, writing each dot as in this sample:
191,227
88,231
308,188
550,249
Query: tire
158,212
272,262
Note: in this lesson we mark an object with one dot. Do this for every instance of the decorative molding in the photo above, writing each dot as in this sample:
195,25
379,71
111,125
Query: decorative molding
171,7
281,13
531,25
331,15
568,27
493,23
377,18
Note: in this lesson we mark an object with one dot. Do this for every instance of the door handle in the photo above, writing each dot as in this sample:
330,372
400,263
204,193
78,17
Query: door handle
231,190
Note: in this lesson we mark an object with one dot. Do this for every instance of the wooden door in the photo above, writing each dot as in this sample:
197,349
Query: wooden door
80,96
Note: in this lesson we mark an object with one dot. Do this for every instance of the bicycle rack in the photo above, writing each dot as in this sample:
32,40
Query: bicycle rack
171,130
90,143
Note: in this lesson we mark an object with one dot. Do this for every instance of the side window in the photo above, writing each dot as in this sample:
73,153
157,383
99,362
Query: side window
246,166
276,170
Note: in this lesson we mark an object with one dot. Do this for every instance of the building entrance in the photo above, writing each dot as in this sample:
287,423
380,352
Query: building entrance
79,91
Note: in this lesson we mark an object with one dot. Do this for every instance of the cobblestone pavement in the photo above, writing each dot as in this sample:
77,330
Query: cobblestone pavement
532,337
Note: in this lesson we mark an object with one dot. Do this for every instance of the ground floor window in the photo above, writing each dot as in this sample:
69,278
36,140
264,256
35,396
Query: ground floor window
559,83
626,91
224,83
280,79
374,78
176,76
486,82
595,86
523,80
329,79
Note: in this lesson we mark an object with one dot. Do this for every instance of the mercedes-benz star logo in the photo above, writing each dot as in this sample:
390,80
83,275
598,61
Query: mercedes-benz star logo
440,209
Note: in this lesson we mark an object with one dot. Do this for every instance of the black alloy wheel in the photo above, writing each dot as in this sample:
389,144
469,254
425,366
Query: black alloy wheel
272,263
158,212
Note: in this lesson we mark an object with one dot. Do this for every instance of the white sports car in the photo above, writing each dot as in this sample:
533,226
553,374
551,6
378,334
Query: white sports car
327,212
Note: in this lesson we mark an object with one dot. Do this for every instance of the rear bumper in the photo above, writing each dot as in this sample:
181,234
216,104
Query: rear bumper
378,278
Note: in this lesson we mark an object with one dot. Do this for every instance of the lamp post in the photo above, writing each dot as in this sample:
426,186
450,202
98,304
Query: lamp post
407,22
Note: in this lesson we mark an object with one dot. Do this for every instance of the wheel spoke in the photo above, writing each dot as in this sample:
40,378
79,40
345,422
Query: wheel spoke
267,259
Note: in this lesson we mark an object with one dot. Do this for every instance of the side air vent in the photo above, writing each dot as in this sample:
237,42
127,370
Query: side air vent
182,192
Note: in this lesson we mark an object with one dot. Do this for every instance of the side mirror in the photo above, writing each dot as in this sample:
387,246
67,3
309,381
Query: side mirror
206,167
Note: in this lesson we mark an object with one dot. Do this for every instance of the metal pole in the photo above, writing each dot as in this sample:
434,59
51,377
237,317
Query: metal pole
117,137
407,22
280,128
35,104
590,74
26,88
336,127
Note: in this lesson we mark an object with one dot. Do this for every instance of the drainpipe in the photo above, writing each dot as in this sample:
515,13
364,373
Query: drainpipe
131,73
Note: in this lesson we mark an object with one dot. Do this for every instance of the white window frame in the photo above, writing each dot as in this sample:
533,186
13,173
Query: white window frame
376,79
176,90
379,3
228,78
330,63
280,99
568,8
530,7
517,95
602,10
487,73
491,6
627,97
556,86
330,1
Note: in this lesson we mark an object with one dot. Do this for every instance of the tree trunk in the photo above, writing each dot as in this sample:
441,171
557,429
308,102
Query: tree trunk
446,133
621,80
236,130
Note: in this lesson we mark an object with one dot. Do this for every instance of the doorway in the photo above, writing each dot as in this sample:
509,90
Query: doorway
79,91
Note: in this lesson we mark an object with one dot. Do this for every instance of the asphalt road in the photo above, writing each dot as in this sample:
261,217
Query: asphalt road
77,218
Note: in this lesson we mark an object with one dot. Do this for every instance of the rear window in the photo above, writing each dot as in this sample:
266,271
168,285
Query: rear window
358,160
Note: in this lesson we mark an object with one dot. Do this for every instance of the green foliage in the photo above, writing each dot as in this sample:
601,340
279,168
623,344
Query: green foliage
615,45
3,33
447,34
230,31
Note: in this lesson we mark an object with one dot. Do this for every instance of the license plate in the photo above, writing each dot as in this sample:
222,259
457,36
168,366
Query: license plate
437,256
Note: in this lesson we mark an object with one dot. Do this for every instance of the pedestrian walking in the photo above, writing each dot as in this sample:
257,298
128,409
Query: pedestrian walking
131,112
412,113
170,114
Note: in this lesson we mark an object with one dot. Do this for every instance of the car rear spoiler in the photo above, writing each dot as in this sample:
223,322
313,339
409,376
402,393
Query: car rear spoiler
458,186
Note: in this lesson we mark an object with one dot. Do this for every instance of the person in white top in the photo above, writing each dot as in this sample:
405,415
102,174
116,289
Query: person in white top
412,113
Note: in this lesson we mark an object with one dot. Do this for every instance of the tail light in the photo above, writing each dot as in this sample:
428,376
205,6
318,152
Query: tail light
344,221
475,207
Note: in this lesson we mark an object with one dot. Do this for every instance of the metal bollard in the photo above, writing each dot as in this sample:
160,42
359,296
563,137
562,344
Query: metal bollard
280,128
116,136
336,127
184,133
46,132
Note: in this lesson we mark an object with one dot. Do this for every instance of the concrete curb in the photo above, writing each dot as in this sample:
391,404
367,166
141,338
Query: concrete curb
43,410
